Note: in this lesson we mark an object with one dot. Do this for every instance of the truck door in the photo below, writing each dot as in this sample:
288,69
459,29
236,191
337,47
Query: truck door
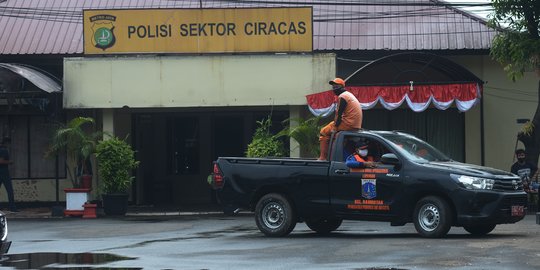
365,191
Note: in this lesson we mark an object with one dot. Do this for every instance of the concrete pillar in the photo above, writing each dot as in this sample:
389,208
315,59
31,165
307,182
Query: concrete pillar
294,113
108,121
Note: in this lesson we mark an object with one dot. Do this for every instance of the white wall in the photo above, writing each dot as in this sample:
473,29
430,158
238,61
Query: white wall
195,81
504,102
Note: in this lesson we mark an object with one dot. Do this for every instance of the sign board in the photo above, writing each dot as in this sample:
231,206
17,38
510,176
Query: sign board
234,30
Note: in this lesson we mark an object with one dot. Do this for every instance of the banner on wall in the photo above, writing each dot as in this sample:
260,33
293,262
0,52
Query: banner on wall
233,30
464,95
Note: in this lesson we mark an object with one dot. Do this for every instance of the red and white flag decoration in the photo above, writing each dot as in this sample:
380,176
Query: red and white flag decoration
465,95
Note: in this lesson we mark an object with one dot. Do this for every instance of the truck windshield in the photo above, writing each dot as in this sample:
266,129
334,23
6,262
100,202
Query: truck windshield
414,148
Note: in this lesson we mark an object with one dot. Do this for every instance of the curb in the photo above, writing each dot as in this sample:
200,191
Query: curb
47,213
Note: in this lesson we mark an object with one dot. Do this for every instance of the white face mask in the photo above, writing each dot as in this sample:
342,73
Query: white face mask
362,152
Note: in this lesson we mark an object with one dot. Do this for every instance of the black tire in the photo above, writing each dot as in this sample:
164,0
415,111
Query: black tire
324,225
480,230
432,217
274,215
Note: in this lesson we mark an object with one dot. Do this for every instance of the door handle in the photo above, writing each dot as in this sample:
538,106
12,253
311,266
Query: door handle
341,171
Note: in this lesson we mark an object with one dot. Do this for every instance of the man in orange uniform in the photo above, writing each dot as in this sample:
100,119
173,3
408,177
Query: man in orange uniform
360,158
348,115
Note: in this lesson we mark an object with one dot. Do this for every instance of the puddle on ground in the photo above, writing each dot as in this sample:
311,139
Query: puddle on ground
50,260
379,268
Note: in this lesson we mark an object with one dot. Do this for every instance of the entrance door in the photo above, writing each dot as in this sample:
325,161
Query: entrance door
168,148
154,187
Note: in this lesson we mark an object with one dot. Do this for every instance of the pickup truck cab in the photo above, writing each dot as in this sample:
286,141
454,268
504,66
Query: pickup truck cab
412,182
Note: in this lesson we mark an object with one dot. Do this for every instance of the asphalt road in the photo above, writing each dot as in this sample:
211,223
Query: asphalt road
221,242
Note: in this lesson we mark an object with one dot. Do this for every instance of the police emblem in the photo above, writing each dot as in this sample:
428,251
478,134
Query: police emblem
103,31
369,188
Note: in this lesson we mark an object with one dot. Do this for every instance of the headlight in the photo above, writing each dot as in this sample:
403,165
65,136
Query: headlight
4,228
471,182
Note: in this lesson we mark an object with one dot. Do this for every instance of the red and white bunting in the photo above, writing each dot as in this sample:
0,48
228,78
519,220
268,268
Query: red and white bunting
465,96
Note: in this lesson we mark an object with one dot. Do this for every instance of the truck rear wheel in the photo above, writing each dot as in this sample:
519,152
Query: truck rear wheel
478,230
274,215
432,217
324,225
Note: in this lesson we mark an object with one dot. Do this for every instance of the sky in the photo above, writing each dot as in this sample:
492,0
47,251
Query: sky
482,11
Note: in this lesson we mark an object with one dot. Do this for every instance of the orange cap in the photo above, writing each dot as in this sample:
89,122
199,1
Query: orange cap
339,81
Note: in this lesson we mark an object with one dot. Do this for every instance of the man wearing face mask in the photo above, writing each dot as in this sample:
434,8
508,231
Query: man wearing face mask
523,168
348,115
360,158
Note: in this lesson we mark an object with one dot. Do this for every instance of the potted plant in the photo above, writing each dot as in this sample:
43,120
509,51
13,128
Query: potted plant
115,159
79,143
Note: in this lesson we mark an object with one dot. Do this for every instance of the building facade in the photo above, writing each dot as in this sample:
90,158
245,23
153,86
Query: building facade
182,108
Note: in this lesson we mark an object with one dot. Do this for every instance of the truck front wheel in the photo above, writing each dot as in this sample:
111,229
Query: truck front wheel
432,217
274,215
324,225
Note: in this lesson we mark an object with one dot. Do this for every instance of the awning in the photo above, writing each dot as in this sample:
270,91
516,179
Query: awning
38,78
418,97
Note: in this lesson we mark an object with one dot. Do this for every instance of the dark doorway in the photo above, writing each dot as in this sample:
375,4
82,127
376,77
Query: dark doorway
156,189
183,145
176,150
228,134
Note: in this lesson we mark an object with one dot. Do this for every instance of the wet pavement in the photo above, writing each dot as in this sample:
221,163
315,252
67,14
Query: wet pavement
207,240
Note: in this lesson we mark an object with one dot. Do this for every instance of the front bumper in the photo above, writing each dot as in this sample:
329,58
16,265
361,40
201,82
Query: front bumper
494,207
4,247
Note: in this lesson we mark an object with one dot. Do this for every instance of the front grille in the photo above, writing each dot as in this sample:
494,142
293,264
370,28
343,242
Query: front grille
513,200
508,184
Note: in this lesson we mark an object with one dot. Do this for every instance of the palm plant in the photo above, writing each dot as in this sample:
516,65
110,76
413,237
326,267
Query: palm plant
306,133
79,146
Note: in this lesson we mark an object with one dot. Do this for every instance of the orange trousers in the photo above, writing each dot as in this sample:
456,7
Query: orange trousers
326,131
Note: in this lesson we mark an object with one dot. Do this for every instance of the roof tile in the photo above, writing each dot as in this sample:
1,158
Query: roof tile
55,26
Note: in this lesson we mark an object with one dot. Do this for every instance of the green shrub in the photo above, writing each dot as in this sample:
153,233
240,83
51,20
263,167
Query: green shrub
116,159
264,144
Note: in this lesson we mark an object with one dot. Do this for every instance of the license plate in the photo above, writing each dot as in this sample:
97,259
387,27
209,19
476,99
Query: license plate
517,210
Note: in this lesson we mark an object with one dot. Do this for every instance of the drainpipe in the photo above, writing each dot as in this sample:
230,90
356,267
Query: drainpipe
482,139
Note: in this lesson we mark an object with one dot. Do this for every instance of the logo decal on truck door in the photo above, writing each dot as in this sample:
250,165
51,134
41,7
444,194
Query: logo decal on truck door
369,188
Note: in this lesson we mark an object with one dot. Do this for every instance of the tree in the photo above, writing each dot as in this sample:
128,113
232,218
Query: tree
517,47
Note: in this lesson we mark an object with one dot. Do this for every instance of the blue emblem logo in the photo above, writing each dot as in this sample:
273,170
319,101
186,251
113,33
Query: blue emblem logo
369,188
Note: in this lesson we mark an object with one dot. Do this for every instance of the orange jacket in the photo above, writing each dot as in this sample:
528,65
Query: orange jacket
351,115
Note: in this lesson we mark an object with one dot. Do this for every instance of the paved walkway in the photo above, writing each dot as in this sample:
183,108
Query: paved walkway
47,212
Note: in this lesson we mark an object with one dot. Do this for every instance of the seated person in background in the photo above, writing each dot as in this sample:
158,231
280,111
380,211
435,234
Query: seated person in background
360,159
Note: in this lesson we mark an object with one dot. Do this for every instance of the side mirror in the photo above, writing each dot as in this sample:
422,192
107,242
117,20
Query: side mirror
390,158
